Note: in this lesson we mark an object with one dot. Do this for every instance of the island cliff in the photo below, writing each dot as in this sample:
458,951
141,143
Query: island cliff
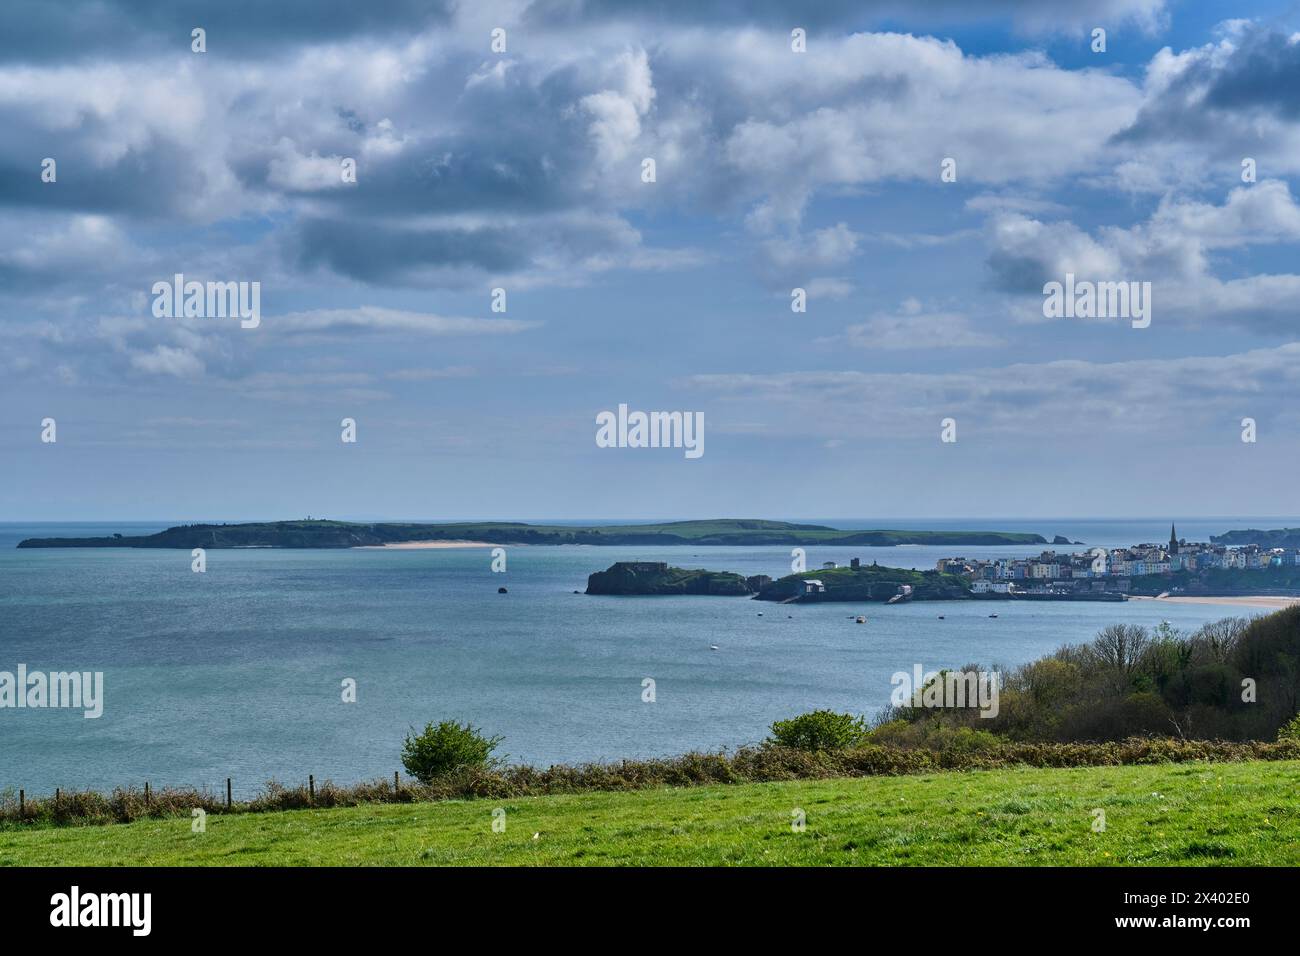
656,577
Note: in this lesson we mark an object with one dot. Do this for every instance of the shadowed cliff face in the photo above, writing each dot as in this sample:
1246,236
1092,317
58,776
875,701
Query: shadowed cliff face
656,577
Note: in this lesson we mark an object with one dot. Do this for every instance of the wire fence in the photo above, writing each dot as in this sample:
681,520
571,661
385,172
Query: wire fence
130,801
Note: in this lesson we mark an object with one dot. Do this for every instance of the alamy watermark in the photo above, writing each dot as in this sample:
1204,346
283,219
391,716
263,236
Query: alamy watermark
212,300
932,689
37,689
651,430
1098,300
75,908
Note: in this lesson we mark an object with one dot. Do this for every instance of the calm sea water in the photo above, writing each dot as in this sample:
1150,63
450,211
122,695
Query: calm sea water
236,672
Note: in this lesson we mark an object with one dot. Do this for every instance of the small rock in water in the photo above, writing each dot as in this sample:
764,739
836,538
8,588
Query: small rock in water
502,591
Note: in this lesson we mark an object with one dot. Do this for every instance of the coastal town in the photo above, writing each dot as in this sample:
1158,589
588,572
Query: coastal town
1100,571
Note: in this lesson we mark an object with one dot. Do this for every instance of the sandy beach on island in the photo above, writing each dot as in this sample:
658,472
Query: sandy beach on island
1261,601
425,545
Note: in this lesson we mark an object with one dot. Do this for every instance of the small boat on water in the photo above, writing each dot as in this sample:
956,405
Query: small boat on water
992,615
941,617
713,647
861,619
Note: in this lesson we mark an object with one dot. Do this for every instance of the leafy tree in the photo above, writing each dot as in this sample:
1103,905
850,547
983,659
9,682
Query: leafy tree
445,749
820,730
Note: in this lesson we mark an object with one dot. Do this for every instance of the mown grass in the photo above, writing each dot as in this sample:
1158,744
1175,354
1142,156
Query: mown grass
1164,814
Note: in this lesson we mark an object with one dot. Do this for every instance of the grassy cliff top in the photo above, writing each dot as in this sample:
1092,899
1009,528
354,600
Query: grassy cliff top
1193,814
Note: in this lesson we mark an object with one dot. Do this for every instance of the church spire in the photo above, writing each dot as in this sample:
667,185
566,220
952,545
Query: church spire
1173,539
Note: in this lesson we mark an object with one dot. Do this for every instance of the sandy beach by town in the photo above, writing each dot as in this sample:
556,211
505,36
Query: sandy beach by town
1260,601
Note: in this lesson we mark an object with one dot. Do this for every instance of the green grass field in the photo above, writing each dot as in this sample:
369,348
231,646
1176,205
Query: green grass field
1184,814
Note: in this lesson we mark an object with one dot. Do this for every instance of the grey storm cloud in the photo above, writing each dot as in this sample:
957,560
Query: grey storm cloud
1255,73
418,254
148,184
1264,75
37,30
379,253
518,147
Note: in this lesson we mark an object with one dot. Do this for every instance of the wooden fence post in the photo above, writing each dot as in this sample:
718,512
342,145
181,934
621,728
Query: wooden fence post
396,787
146,794
22,802
311,788
227,794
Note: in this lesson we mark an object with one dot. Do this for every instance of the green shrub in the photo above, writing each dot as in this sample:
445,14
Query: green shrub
820,730
446,749
932,735
1290,730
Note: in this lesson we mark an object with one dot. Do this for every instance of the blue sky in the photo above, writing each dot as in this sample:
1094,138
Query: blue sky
521,170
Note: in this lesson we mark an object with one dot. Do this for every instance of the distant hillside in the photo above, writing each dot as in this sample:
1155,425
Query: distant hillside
1277,538
1283,580
347,534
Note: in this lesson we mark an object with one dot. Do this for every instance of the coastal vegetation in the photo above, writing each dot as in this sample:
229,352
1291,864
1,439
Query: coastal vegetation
348,534
956,749
1234,679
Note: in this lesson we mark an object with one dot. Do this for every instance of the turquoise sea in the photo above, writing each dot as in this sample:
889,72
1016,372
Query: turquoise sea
237,672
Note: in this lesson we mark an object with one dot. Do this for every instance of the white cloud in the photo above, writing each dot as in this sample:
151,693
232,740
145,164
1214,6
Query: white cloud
376,319
617,111
914,327
1049,400
166,360
1172,250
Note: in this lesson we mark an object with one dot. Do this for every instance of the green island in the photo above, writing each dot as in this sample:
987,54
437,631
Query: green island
1193,814
321,533
656,577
